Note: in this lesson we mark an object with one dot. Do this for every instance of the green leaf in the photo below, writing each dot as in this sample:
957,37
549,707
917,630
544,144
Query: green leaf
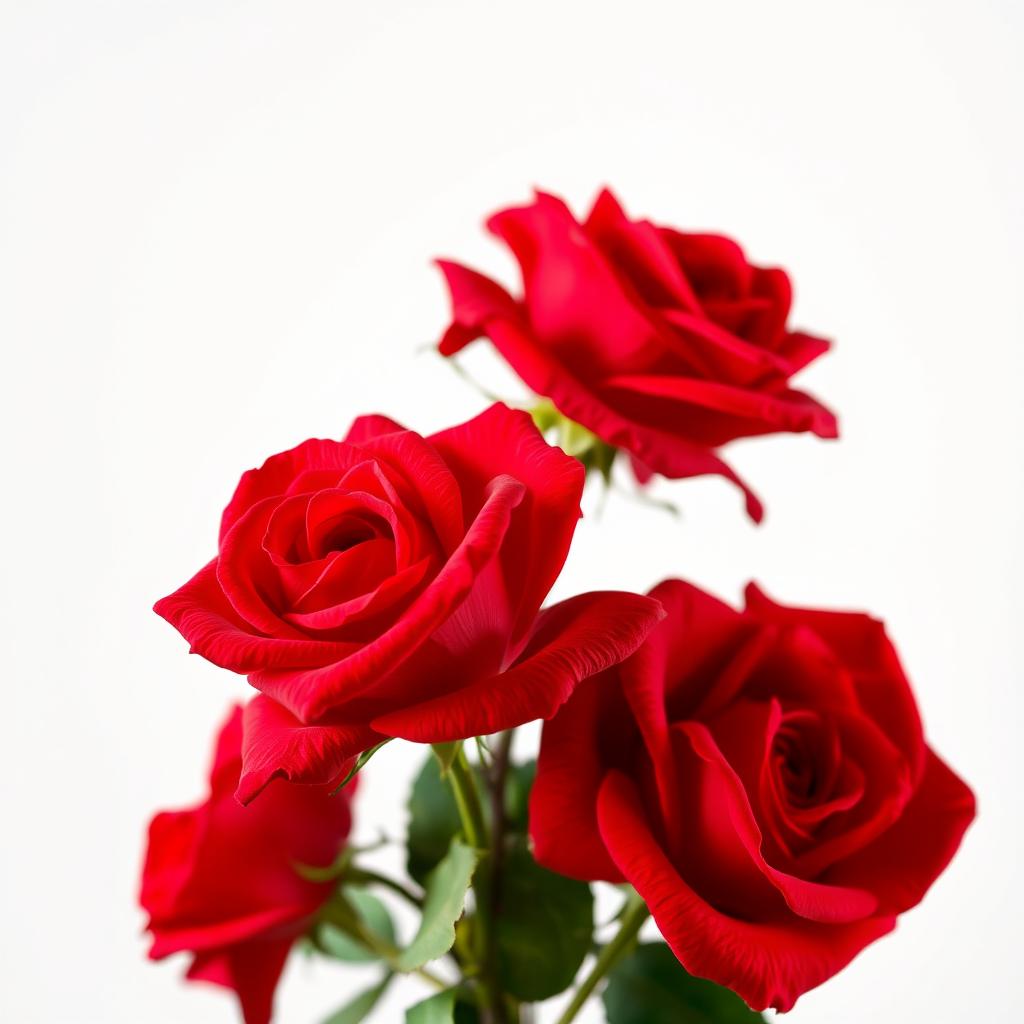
360,1008
374,917
439,1009
543,928
449,1007
652,987
442,906
446,754
433,820
357,767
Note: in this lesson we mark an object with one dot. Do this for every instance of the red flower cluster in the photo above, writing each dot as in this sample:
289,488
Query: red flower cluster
760,777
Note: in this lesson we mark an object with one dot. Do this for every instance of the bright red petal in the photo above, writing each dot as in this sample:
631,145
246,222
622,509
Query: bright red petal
716,413
573,641
637,248
903,862
770,964
475,300
205,618
436,490
278,745
501,440
579,308
863,647
365,427
589,734
278,472
252,970
311,694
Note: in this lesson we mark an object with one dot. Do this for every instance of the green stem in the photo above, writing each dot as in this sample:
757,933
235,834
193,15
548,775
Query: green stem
379,946
501,1011
468,801
633,917
357,875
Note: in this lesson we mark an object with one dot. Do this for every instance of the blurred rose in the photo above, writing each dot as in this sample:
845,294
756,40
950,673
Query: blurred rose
220,880
664,344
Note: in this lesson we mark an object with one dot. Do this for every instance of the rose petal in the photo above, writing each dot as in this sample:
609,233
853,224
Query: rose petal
659,451
194,903
252,970
591,732
247,576
729,847
365,427
310,694
769,964
475,300
535,549
902,863
721,354
578,307
799,349
278,745
572,641
431,490
392,591
205,618
279,471
861,644
715,266
178,936
637,248
715,413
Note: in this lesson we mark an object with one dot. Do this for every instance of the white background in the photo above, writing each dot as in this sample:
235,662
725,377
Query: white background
216,220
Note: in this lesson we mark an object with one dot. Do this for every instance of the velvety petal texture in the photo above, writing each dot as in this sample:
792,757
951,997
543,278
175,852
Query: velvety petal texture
220,882
664,344
760,777
390,585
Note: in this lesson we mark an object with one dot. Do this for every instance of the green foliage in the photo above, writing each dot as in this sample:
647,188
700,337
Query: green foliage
433,820
360,1008
442,906
651,987
372,917
439,1009
543,928
449,1007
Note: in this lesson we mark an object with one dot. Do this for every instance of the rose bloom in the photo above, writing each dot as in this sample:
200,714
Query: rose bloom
663,343
388,585
762,780
220,880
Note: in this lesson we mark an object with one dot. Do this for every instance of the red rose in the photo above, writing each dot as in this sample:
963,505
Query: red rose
220,880
389,585
664,344
762,780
